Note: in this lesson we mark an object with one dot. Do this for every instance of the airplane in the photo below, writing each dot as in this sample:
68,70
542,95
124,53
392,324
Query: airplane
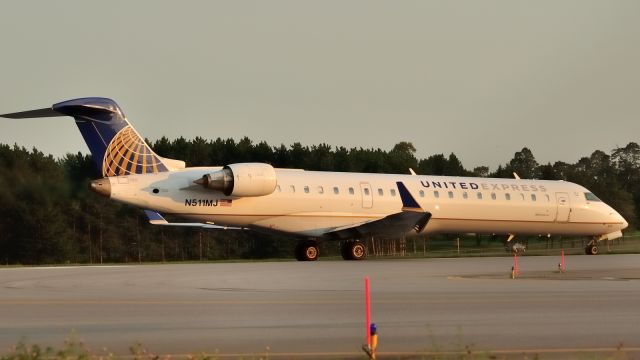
316,205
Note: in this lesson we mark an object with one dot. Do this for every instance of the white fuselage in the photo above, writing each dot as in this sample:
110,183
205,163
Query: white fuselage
312,203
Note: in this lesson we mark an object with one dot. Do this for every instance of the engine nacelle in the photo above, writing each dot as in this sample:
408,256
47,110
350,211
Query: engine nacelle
245,179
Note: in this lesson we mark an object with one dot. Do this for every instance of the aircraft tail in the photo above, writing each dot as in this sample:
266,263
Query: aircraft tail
116,147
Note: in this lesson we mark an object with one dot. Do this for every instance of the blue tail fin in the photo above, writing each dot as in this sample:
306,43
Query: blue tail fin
116,148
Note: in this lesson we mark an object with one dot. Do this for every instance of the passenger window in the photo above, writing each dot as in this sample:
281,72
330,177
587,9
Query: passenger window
450,194
336,190
479,196
465,195
278,189
421,193
522,196
533,197
380,192
306,189
320,190
507,196
548,199
292,188
393,192
436,194
366,191
493,196
351,192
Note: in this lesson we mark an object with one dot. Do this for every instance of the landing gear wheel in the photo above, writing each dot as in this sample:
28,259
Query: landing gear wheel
591,250
344,250
353,250
307,251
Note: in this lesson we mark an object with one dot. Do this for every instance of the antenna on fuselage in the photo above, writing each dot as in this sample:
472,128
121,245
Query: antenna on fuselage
516,176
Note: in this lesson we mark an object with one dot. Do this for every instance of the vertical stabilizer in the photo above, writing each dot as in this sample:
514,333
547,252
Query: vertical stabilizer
116,147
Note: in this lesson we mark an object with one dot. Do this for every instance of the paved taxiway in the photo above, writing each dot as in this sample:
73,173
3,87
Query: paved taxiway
318,307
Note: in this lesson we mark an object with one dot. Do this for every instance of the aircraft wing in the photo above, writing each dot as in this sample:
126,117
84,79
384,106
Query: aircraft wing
412,217
156,219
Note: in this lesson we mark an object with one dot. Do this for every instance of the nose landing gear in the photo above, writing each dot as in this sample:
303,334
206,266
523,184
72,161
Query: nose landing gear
591,248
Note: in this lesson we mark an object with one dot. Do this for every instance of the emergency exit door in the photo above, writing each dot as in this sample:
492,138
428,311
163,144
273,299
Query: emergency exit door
564,207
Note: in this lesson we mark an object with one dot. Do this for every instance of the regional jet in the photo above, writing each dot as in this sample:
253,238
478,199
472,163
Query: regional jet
317,205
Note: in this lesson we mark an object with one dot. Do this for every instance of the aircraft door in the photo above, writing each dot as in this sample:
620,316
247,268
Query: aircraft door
564,207
367,195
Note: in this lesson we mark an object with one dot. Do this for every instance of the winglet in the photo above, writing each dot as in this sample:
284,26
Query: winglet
408,202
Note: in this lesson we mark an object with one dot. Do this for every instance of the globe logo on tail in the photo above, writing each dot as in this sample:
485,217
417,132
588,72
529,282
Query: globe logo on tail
128,154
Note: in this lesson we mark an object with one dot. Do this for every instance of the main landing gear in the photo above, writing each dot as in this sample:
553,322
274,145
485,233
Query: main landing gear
307,250
353,250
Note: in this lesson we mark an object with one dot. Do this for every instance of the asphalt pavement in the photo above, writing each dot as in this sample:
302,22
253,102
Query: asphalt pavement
314,309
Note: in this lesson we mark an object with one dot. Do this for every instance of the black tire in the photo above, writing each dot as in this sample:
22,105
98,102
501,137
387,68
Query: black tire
307,251
353,250
591,250
358,250
345,249
298,252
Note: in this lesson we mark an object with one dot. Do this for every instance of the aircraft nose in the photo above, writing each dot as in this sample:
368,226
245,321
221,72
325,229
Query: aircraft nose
620,220
624,223
101,186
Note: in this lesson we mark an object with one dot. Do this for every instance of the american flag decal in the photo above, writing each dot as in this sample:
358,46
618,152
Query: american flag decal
224,202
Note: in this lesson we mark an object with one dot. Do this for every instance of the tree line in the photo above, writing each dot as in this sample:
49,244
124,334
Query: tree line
48,215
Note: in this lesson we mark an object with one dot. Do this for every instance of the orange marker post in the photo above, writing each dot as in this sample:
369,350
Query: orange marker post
563,267
515,264
368,309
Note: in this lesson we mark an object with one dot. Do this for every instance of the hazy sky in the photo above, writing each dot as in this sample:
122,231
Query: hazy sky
481,79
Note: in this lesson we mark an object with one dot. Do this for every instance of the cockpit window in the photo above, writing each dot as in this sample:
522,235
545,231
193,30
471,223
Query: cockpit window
591,197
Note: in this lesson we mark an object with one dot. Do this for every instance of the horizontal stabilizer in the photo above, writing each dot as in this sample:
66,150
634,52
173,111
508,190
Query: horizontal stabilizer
156,219
39,113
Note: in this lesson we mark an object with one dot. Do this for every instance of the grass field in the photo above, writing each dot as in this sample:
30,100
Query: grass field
468,246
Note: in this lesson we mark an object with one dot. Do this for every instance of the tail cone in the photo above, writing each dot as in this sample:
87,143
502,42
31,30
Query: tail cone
101,186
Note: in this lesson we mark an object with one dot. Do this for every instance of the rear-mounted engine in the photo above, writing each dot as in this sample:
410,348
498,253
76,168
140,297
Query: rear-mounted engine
245,179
